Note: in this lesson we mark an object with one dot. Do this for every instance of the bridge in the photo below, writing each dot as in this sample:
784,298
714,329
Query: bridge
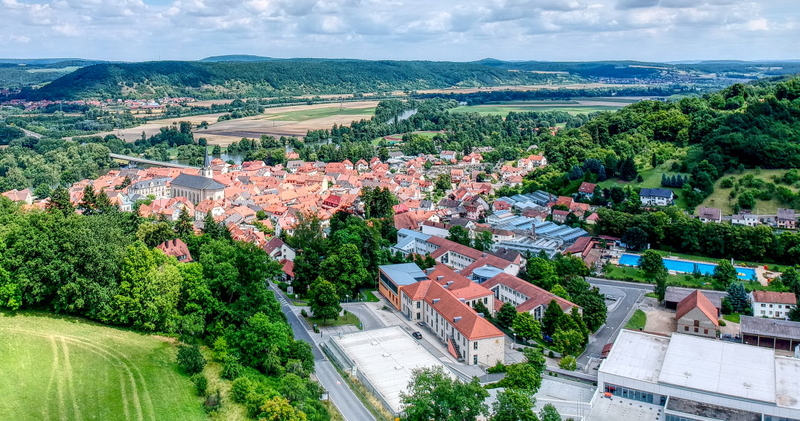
141,160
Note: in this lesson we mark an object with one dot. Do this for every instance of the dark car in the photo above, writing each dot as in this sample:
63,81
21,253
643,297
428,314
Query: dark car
422,324
417,335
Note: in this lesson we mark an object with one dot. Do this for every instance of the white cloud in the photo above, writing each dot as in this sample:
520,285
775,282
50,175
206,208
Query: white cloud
404,29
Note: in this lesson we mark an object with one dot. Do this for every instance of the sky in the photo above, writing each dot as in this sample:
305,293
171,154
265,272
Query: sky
451,30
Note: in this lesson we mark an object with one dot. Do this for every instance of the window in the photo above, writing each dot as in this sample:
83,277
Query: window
418,304
686,328
763,305
475,345
418,316
696,323
474,360
696,330
763,312
705,331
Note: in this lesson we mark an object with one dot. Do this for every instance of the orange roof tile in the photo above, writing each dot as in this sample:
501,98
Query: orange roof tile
697,300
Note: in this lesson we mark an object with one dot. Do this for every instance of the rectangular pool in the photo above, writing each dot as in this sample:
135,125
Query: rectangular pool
683,266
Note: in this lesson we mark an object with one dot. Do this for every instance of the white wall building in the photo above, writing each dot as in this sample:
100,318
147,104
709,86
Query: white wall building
774,305
701,379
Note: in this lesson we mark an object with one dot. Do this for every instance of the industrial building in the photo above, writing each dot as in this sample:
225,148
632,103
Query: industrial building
701,379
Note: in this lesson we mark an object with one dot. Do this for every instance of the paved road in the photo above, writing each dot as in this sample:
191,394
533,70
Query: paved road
340,394
631,294
368,319
30,133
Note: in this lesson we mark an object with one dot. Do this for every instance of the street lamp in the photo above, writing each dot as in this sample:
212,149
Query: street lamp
515,340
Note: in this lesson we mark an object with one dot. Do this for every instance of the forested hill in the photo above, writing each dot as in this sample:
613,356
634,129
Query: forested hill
270,78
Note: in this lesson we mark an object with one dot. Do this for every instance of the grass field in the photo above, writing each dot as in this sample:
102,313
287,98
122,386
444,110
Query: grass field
347,319
721,197
310,114
505,109
68,369
637,321
651,179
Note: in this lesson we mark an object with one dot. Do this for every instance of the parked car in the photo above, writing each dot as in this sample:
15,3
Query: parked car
417,335
422,324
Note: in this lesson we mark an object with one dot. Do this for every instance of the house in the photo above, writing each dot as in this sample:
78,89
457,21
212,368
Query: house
656,197
586,190
709,214
786,219
447,155
24,195
560,216
177,249
771,304
696,315
156,187
469,336
393,278
675,295
745,219
279,250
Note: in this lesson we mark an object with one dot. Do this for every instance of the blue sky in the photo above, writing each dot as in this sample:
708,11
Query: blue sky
457,30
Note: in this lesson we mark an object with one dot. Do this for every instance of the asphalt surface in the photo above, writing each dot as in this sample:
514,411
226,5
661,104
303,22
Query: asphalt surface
628,294
338,392
368,320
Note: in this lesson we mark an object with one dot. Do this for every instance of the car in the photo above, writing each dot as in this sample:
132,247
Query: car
417,335
422,324
611,297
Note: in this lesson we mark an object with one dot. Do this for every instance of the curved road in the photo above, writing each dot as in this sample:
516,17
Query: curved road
631,293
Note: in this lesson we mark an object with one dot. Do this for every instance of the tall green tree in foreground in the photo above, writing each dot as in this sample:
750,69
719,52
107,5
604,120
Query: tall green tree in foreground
514,405
725,273
434,396
323,300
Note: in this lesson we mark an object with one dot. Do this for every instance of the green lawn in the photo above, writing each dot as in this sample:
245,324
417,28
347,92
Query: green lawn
311,114
721,196
348,319
637,321
733,318
66,368
651,179
369,296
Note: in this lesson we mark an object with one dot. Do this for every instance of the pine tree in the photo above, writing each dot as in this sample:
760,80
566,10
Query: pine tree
184,226
59,202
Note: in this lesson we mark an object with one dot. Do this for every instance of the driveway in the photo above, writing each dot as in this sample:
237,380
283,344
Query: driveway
620,310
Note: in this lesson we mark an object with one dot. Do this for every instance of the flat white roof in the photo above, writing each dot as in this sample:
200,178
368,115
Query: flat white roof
787,382
721,367
636,355
387,358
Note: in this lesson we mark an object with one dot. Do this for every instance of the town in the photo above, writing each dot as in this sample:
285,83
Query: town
458,304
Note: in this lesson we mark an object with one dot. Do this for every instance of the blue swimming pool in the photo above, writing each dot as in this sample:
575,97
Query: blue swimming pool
683,266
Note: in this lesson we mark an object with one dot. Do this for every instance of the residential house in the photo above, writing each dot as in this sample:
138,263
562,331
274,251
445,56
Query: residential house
696,315
771,304
745,219
586,190
656,197
24,195
786,219
709,214
156,187
177,249
560,216
447,155
279,250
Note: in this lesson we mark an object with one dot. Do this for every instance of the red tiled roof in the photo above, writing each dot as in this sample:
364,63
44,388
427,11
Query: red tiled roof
587,187
459,285
447,245
774,297
697,300
176,248
536,296
458,314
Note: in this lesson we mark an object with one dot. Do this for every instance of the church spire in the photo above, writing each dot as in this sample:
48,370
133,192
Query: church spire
207,172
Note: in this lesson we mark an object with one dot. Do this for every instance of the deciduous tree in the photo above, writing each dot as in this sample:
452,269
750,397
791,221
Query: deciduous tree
434,396
323,300
514,405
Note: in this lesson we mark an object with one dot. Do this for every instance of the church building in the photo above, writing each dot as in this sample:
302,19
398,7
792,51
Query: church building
198,188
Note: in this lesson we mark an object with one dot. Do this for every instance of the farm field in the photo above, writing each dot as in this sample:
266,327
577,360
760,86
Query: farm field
294,120
582,106
721,196
64,368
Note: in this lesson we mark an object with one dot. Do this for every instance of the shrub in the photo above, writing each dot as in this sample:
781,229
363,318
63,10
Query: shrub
232,369
190,359
722,323
551,355
200,383
242,388
498,368
304,313
568,362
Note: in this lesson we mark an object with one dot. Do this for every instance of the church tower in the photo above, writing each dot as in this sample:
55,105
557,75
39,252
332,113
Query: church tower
206,171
